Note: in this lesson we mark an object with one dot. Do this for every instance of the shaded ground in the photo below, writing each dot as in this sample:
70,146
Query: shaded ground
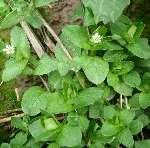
59,13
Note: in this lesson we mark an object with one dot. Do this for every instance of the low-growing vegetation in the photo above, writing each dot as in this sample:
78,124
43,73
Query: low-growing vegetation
89,86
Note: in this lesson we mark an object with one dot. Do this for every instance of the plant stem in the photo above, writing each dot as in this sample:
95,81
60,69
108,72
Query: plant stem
45,83
56,37
33,39
126,103
80,79
17,94
1,83
121,101
49,42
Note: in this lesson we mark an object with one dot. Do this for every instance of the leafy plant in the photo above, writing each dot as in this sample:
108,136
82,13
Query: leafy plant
98,92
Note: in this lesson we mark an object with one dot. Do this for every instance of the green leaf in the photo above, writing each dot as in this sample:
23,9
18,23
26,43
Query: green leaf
10,20
77,35
141,48
19,123
115,56
56,81
33,18
72,48
88,17
76,120
13,69
53,145
97,145
46,65
41,3
4,9
33,143
2,45
140,27
146,78
144,99
125,137
83,123
96,69
122,67
144,119
142,144
109,129
19,140
126,116
132,79
5,145
135,126
111,46
34,101
96,110
121,25
109,112
120,28
134,101
50,124
123,89
57,104
98,137
70,136
112,79
130,34
63,63
88,96
20,41
101,9
39,132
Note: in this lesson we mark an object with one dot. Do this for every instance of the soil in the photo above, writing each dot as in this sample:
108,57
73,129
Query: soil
60,12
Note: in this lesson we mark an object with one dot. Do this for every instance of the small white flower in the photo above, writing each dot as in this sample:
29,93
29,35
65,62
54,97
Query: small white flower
96,38
9,49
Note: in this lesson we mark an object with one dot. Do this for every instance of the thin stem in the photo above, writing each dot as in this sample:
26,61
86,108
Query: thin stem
49,42
56,37
1,83
126,103
142,135
33,39
80,80
17,94
121,101
45,83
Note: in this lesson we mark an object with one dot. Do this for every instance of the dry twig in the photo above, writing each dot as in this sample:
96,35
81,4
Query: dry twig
7,119
33,39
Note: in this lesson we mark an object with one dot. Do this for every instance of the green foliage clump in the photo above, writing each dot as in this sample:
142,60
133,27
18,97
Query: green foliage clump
98,91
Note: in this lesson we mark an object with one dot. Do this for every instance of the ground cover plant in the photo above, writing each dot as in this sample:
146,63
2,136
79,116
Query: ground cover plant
95,89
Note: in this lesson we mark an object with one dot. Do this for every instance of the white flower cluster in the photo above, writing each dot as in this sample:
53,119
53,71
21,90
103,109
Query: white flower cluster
96,38
9,49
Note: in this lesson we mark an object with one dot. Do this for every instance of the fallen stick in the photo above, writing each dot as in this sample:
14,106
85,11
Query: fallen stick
7,119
